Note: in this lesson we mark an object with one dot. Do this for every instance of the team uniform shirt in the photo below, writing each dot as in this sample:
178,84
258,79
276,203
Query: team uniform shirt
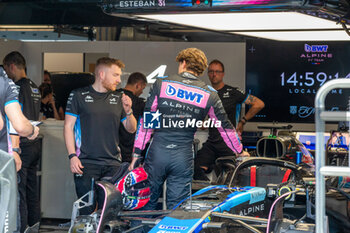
8,94
232,99
29,98
97,126
126,138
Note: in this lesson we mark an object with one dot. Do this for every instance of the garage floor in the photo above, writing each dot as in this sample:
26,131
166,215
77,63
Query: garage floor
53,229
55,225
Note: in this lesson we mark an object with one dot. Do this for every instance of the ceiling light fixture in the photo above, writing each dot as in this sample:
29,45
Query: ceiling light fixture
285,26
327,35
27,28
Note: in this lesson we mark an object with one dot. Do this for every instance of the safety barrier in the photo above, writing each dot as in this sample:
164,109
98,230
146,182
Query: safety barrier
321,116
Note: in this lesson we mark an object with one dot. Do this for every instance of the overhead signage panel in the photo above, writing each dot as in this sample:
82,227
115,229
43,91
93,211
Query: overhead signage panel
156,6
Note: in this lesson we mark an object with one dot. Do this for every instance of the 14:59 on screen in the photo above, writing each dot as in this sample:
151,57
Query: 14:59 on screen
308,78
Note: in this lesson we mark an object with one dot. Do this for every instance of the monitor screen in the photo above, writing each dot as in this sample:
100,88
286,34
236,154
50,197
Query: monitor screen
287,75
340,140
309,139
64,83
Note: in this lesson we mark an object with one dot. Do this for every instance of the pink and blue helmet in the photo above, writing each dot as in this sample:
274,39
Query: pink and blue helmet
135,189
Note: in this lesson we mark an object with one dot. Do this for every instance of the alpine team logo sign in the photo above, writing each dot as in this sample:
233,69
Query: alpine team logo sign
316,54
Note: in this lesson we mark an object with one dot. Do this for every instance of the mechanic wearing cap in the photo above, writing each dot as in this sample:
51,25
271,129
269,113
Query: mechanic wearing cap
91,126
232,99
179,98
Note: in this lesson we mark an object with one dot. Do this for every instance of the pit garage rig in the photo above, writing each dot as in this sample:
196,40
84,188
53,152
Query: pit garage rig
214,207
238,208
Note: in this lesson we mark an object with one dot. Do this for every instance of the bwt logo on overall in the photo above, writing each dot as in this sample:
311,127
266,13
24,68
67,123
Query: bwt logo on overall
182,94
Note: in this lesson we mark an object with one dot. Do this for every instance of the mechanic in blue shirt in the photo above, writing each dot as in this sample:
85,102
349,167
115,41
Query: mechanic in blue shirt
91,126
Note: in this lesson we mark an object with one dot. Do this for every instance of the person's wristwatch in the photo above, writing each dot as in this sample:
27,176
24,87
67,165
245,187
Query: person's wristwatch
17,150
72,155
129,113
243,120
134,155
33,132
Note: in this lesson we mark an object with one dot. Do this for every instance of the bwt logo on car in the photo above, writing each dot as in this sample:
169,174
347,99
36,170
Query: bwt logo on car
166,227
171,91
161,231
315,48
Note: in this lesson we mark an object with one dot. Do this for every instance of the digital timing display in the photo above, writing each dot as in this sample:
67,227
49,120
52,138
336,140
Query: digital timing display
287,75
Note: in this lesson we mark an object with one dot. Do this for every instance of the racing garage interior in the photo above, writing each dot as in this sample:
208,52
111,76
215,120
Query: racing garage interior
290,54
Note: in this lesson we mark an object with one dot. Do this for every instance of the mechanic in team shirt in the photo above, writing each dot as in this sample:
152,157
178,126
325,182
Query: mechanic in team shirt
175,99
232,99
29,150
135,85
91,126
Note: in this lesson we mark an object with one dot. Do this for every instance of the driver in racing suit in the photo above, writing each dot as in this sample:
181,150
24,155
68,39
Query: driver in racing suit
177,105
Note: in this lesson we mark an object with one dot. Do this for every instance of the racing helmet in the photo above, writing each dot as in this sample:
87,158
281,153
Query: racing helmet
135,189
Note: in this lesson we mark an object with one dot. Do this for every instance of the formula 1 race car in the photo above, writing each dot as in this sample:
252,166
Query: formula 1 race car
223,208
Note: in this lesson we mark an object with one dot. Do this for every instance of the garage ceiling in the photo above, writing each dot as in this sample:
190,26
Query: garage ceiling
82,20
